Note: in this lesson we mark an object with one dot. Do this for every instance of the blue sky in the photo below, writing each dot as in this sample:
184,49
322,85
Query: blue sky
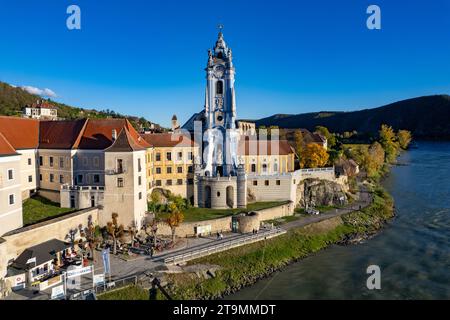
146,57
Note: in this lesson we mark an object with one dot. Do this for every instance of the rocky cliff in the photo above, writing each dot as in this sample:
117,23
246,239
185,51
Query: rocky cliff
315,192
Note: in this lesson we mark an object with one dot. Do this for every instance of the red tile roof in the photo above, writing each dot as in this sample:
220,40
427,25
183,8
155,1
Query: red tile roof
59,134
20,132
6,149
264,147
98,133
168,140
125,142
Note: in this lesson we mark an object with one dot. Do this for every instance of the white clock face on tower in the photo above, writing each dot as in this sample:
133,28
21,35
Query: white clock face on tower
219,71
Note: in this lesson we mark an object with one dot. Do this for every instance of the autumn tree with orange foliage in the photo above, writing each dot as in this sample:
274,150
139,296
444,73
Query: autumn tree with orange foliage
314,156
174,219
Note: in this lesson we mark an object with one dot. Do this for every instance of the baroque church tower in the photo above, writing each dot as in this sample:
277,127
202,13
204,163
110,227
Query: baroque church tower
221,136
220,182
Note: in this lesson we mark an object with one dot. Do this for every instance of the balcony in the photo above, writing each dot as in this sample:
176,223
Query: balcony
67,187
111,172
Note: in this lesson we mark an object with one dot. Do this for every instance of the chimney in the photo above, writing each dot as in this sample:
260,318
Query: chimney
114,135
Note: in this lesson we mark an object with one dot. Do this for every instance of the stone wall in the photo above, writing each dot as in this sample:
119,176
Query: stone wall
187,229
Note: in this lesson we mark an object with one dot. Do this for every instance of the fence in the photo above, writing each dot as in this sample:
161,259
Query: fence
224,245
108,286
111,285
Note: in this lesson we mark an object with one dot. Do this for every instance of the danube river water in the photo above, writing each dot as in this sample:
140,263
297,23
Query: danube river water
413,251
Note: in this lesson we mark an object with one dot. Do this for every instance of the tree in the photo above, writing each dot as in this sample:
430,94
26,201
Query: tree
331,139
314,156
114,230
404,138
298,143
174,219
388,140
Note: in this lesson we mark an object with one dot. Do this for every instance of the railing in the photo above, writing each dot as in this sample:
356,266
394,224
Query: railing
224,245
108,286
317,169
82,188
115,171
115,284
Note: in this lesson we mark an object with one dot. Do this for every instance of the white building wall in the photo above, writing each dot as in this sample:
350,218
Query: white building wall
10,214
28,171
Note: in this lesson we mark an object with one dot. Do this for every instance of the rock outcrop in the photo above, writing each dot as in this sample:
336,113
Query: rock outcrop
315,192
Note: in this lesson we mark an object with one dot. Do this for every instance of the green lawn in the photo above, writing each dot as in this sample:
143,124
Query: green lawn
36,209
201,214
127,293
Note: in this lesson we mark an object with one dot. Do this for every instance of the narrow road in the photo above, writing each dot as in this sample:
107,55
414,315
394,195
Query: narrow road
365,199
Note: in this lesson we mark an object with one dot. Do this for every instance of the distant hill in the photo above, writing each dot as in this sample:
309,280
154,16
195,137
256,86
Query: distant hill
13,99
425,117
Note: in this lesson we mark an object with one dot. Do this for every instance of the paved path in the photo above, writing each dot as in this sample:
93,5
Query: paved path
365,199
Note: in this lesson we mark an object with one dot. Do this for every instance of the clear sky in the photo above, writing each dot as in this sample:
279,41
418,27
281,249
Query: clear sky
146,57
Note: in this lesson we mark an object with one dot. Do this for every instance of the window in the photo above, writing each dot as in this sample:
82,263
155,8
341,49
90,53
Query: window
158,183
179,181
96,162
253,167
190,181
119,166
80,178
40,177
10,174
255,182
30,178
61,162
169,169
180,156
85,161
52,177
169,182
139,165
180,169
190,156
190,169
158,157
92,201
41,161
61,179
275,167
140,195
51,161
264,167
12,199
120,182
218,193
169,156
219,87
278,182
96,178
158,170
139,180
266,182
29,161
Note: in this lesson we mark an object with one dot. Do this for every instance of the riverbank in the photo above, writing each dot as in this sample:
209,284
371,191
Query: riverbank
246,265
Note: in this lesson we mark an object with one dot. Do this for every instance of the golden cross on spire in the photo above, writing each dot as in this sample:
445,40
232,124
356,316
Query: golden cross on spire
220,27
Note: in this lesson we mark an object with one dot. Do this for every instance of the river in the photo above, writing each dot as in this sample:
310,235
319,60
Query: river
412,251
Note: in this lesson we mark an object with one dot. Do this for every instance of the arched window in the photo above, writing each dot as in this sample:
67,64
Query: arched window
219,87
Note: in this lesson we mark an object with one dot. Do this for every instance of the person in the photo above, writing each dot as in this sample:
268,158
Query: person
218,235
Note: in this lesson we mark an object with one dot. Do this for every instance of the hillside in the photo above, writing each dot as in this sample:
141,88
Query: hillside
425,117
13,99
